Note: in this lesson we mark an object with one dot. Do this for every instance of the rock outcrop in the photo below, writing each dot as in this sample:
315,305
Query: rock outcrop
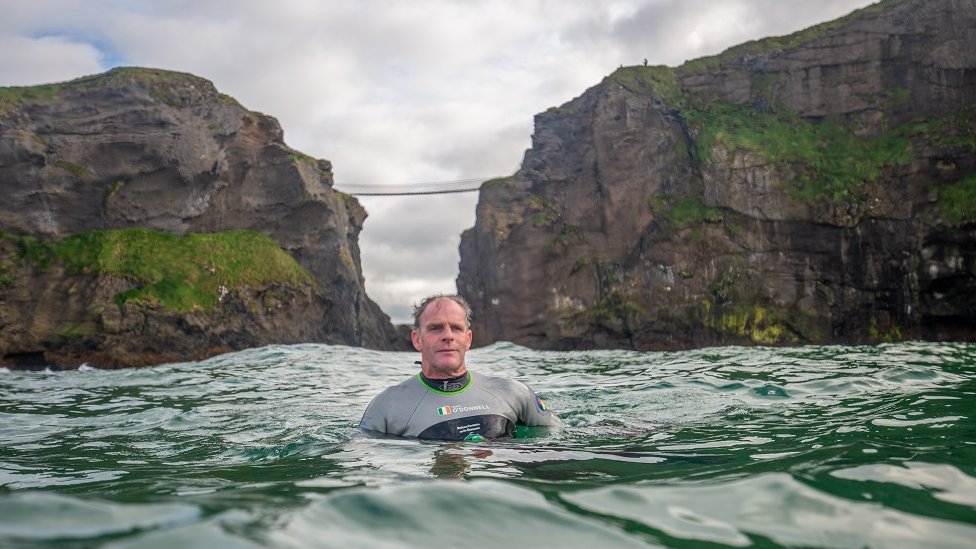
166,151
813,188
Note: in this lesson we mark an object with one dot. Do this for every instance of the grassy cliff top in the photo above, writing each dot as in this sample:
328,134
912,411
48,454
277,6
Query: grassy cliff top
780,43
181,274
165,86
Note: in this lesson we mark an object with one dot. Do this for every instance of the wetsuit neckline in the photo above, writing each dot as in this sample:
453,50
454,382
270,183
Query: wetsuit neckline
452,385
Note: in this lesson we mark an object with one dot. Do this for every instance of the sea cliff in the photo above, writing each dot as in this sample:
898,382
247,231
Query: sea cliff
147,217
813,188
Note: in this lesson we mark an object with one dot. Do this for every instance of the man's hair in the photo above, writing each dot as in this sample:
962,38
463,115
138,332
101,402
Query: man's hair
418,310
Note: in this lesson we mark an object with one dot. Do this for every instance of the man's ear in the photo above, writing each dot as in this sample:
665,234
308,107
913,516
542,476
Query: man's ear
415,338
470,339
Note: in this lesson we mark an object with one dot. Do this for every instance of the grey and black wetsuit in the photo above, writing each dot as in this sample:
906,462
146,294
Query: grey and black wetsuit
470,407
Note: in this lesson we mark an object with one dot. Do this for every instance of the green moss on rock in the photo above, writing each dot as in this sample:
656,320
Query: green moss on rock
6,277
760,325
831,159
77,331
569,233
496,183
953,131
545,212
957,202
616,312
76,170
691,211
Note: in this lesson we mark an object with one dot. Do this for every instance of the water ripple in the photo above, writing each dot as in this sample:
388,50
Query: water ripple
818,446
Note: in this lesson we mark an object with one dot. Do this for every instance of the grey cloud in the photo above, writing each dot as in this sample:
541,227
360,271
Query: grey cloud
44,60
416,234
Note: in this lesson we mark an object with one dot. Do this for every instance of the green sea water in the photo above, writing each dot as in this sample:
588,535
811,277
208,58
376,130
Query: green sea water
724,447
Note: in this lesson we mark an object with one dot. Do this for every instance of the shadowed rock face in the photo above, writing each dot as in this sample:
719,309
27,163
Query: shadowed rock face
815,188
162,150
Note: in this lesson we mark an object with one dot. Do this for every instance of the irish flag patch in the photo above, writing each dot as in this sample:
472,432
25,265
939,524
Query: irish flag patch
448,410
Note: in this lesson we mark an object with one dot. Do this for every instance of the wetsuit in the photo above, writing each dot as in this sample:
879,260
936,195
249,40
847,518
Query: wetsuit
470,407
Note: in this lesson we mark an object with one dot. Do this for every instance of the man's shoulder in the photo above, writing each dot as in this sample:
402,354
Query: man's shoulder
488,378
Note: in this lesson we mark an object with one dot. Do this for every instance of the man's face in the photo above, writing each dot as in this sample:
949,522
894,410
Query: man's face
442,339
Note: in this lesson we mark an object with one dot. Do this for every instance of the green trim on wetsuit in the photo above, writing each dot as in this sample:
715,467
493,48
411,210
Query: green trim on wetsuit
440,392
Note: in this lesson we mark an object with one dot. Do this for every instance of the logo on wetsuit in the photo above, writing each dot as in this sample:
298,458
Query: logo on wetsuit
448,410
539,404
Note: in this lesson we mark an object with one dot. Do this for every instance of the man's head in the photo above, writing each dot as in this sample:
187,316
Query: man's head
418,310
442,334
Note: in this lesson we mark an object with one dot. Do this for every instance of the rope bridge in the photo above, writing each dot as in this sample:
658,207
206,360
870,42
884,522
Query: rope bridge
410,189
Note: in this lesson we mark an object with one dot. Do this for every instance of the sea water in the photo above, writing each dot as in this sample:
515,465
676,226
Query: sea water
724,447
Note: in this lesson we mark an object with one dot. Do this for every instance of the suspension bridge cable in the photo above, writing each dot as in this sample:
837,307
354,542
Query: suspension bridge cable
410,189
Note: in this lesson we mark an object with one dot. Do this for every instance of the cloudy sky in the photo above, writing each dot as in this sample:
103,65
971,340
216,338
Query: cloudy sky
393,92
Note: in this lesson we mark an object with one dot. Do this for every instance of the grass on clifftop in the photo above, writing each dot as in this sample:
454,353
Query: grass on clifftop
179,273
162,85
13,97
657,81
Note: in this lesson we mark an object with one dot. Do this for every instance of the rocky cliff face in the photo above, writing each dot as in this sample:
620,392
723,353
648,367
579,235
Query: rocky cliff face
165,151
814,188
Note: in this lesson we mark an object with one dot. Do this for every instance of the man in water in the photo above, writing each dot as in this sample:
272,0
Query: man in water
445,400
